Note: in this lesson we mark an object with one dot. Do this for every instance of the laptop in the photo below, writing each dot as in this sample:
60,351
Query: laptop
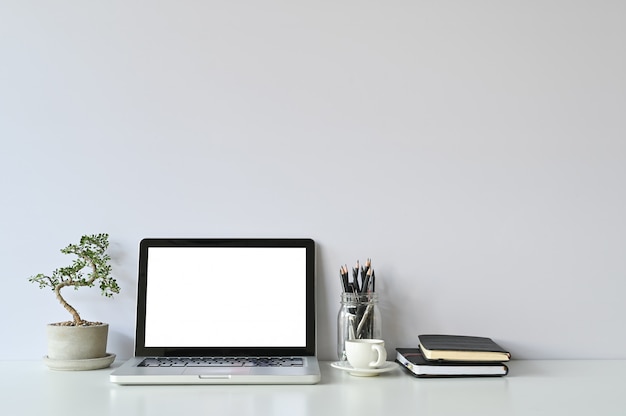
224,311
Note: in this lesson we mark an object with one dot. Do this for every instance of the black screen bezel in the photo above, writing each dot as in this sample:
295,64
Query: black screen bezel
173,351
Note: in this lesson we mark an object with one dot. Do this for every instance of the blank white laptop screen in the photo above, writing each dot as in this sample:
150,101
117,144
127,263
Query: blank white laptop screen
226,297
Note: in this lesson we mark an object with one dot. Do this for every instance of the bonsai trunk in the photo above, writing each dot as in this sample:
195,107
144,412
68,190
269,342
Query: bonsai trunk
75,316
57,290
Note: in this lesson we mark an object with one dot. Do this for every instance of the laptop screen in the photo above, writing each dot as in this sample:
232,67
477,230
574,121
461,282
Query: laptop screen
226,296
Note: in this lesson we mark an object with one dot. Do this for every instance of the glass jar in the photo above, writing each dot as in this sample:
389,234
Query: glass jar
358,318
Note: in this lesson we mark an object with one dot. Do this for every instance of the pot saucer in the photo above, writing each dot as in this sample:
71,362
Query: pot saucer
364,372
78,365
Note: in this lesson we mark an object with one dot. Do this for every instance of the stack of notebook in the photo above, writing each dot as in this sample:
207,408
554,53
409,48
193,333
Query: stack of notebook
454,356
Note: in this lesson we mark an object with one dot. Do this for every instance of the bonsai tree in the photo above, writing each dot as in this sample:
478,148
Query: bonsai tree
91,254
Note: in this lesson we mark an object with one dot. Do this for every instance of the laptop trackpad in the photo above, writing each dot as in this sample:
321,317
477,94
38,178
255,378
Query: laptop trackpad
217,371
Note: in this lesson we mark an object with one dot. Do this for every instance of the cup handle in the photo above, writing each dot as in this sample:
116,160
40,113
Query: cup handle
382,356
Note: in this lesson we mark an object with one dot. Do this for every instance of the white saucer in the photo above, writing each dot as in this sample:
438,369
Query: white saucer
79,365
364,372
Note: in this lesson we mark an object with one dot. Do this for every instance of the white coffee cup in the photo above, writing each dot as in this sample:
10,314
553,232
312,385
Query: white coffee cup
366,353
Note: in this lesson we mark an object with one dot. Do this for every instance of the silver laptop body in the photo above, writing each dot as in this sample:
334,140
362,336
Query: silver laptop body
224,311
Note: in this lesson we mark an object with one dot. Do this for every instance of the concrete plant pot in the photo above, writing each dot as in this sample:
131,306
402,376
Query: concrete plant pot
78,347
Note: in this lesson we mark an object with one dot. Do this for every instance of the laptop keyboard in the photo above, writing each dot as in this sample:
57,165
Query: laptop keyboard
222,362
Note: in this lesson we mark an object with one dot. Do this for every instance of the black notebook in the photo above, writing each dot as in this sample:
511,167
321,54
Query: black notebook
413,360
462,348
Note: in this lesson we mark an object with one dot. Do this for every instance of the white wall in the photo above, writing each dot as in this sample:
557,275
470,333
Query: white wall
475,150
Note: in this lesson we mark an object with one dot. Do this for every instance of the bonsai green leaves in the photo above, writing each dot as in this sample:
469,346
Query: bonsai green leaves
90,255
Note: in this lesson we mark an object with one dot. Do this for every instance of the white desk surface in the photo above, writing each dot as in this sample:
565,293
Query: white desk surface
532,388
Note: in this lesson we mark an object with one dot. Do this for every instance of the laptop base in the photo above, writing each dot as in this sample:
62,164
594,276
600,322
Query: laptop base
130,373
